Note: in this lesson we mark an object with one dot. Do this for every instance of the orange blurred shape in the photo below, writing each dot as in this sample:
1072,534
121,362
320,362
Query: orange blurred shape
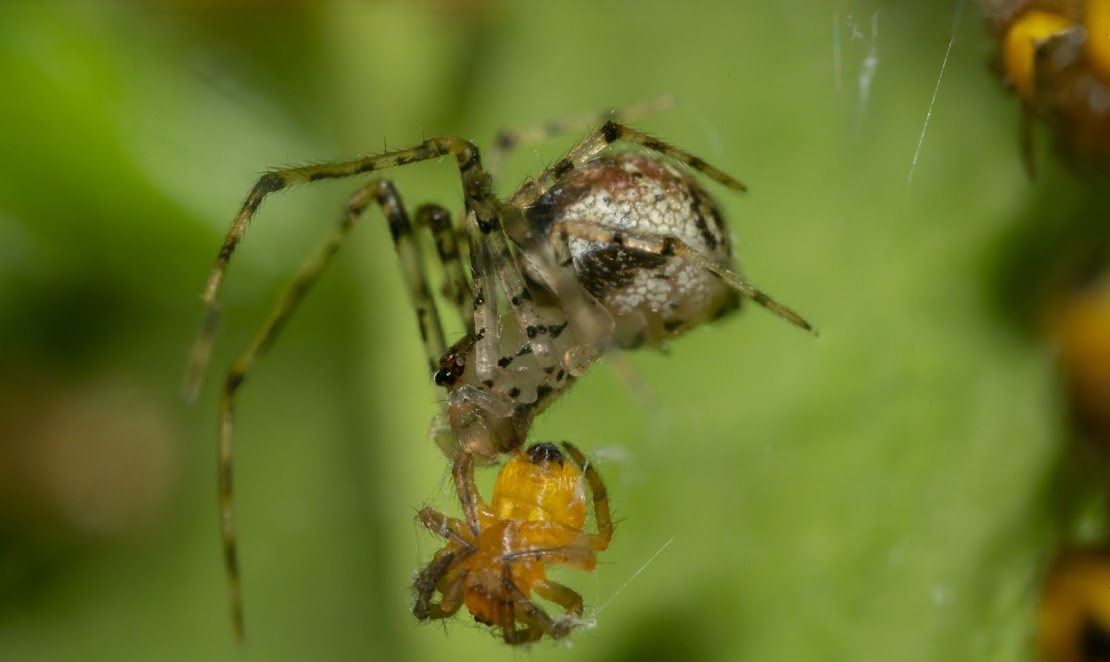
1073,623
97,460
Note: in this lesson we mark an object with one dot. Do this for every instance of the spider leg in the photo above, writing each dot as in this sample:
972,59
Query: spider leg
509,139
382,192
473,505
609,133
561,595
484,301
453,530
476,187
602,515
670,246
536,620
456,286
428,580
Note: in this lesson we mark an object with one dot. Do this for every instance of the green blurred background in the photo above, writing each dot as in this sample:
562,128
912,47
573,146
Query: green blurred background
880,492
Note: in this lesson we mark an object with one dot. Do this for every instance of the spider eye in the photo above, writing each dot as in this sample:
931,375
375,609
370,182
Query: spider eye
545,452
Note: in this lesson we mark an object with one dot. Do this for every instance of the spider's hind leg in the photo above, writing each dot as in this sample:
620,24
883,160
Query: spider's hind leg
508,140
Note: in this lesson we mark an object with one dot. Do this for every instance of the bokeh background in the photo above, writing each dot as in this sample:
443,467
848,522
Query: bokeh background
883,491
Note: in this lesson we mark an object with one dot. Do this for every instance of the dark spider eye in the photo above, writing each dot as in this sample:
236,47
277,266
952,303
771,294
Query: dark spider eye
544,452
444,377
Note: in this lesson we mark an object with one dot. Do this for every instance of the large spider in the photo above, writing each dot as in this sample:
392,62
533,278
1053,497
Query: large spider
599,251
497,556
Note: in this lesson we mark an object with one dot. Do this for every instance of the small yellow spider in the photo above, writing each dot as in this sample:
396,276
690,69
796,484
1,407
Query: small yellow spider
1074,618
496,557
1056,56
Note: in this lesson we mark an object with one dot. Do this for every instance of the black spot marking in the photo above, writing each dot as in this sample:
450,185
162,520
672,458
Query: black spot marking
234,380
488,383
542,391
479,298
514,392
670,326
405,159
562,168
611,131
226,250
469,158
707,236
527,349
544,452
480,335
556,329
613,267
561,375
534,331
269,183
504,361
549,369
317,176
398,224
669,247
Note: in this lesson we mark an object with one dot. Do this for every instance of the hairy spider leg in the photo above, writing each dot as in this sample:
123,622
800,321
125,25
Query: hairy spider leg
446,237
611,132
484,300
412,269
428,580
537,620
602,516
508,140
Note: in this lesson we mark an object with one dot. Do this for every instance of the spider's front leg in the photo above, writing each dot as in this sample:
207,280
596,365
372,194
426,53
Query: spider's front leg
475,186
412,267
602,515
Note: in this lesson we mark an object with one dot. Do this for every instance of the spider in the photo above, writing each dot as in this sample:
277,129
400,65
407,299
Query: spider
496,557
1056,56
1073,623
600,251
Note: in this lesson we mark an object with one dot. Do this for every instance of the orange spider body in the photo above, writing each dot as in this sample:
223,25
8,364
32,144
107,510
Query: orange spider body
1074,617
1056,55
498,556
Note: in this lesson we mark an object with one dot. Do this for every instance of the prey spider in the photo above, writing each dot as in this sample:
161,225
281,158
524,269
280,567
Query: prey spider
497,556
600,251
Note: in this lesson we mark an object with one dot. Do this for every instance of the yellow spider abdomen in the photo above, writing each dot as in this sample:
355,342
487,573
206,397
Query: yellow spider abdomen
1097,22
1020,45
540,485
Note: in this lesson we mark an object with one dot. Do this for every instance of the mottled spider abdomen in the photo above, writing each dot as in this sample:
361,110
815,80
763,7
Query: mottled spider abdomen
652,296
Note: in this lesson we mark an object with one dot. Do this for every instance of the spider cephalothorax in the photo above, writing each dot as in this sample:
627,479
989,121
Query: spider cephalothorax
497,556
601,250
